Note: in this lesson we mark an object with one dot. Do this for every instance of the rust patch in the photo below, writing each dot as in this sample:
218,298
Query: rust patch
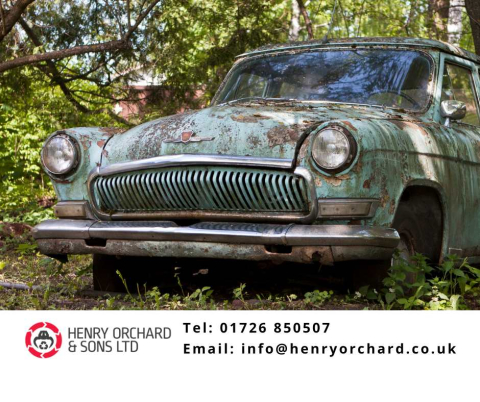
336,181
282,135
403,125
358,167
112,130
261,116
384,200
366,183
385,197
254,141
304,149
391,210
101,143
248,119
349,124
85,142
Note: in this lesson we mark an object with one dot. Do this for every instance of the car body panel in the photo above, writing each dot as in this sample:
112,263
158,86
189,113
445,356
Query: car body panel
397,149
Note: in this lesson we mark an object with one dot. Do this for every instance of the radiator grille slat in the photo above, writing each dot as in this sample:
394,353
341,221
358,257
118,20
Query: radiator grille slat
201,188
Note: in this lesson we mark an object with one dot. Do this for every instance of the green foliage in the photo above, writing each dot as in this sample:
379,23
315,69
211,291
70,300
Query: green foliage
317,297
415,284
239,293
30,110
188,46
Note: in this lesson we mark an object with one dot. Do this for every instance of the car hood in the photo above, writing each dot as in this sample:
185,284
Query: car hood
259,131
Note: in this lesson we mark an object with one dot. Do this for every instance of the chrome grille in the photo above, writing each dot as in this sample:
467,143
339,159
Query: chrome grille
201,188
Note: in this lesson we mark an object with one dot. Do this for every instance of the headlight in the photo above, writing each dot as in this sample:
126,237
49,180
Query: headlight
59,154
334,149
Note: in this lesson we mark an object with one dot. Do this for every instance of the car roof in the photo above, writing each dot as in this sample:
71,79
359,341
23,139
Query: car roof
372,41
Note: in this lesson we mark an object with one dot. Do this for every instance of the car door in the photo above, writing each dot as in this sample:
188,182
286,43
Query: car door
461,82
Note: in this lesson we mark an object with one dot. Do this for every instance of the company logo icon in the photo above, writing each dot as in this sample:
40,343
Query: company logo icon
43,340
189,136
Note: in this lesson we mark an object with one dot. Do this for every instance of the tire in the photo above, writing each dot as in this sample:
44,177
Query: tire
137,272
105,277
418,221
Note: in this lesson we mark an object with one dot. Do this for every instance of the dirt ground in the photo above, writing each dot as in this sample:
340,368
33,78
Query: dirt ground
70,286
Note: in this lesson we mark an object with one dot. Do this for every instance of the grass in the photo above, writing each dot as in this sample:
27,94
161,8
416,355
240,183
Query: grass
69,286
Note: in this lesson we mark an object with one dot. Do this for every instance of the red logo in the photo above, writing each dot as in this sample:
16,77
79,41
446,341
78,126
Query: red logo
43,340
186,135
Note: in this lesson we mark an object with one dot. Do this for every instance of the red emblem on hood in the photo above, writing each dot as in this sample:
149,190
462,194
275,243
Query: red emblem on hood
189,136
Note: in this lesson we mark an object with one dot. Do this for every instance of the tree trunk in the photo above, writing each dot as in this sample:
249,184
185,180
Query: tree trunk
8,18
438,11
294,22
473,11
308,22
455,26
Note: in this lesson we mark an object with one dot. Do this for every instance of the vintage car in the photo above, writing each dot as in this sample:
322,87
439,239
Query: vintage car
310,152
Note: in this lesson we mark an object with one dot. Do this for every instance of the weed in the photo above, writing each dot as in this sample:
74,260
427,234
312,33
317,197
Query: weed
407,286
317,297
238,293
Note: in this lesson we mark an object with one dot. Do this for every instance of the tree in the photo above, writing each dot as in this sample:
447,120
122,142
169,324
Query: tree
308,22
455,25
76,40
294,30
12,16
473,11
438,15
9,17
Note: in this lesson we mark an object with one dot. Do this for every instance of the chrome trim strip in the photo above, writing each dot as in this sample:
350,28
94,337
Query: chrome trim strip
194,159
66,228
218,160
300,171
228,233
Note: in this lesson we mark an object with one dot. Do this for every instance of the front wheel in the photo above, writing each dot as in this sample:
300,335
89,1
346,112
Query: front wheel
105,277
136,273
418,221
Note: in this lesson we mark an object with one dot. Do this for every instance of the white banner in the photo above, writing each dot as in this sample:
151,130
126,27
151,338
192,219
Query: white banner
239,355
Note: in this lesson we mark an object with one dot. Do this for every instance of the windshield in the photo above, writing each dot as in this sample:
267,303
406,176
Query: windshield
391,78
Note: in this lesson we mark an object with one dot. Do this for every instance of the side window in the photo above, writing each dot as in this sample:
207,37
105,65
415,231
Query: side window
250,85
458,85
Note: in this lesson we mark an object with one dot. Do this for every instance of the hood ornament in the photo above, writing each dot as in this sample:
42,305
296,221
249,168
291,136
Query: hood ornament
189,136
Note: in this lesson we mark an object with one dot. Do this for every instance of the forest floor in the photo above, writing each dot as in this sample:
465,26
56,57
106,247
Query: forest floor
69,286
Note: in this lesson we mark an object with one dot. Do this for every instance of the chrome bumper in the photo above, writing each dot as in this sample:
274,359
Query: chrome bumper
246,241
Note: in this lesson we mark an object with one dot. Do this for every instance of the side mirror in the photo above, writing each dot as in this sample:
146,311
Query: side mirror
453,110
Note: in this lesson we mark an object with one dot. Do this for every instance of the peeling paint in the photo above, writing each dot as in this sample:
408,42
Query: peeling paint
335,181
391,210
283,135
254,118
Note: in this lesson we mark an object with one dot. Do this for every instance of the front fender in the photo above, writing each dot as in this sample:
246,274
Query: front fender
392,154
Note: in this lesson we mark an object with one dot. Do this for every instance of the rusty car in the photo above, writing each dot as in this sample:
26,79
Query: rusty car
311,152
